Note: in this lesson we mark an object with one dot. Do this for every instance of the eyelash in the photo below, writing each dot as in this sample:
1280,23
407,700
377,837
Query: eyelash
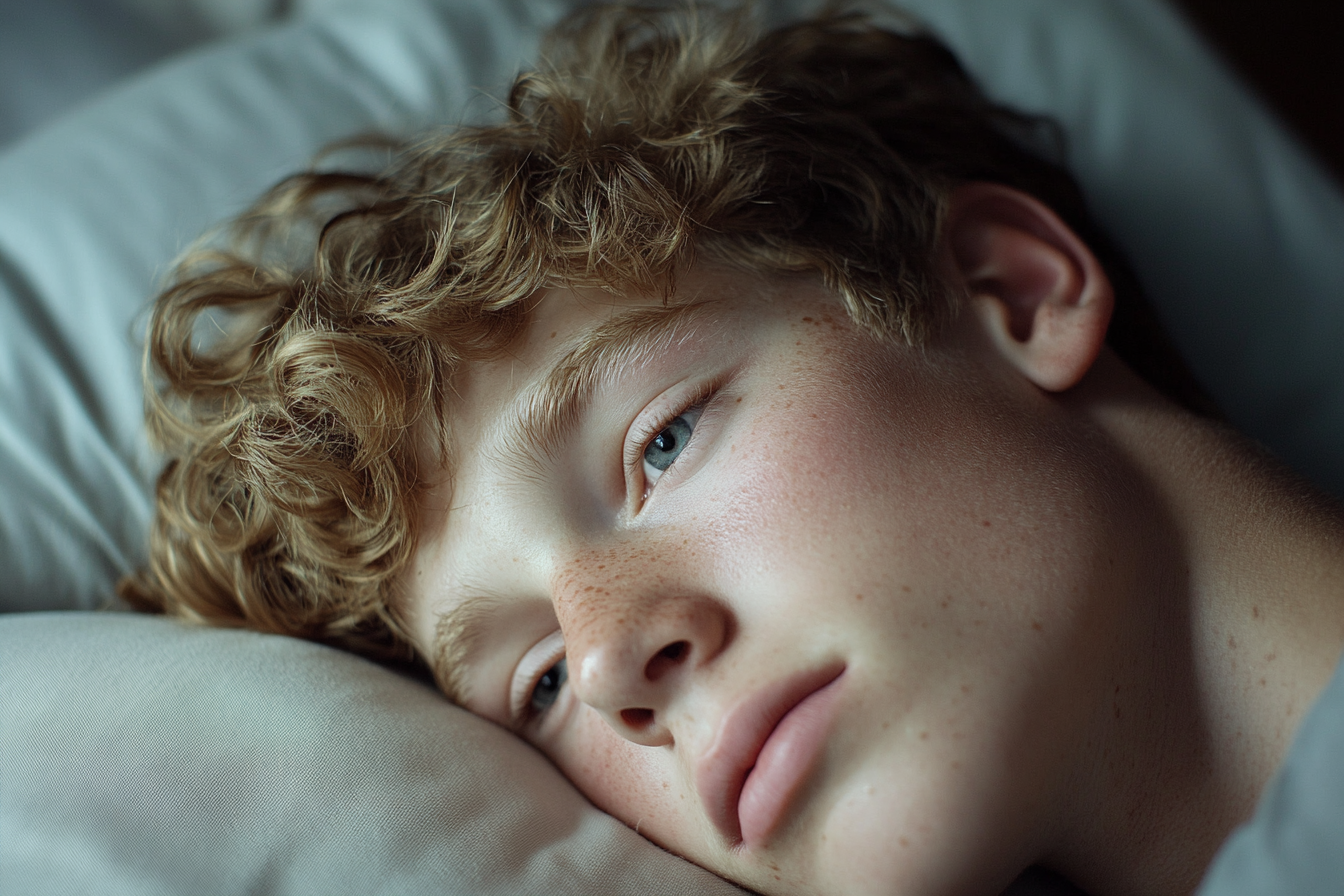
549,653
644,435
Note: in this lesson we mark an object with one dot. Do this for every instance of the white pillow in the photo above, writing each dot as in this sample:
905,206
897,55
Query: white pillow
1239,237
143,756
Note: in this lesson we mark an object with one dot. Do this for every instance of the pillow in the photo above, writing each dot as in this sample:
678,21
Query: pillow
144,756
1237,234
54,54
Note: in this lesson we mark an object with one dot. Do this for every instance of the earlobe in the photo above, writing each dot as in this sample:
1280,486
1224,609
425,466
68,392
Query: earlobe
1033,284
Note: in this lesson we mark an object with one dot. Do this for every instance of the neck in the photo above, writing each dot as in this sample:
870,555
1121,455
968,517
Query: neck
1240,628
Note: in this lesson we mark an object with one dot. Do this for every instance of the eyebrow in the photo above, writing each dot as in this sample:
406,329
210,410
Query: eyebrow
544,415
457,639
537,423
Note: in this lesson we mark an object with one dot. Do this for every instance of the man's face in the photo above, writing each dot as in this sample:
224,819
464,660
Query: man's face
829,608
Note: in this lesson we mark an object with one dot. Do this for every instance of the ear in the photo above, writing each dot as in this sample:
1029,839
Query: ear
1033,285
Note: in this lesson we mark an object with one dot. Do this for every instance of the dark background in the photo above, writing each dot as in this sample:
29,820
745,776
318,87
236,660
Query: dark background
1291,52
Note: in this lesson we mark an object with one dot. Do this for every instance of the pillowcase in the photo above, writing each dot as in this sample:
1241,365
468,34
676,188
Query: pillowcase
143,756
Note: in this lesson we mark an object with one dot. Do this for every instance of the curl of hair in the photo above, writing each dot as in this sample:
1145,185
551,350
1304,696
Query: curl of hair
290,398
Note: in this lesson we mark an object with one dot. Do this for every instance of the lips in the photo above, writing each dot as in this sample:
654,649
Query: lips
763,752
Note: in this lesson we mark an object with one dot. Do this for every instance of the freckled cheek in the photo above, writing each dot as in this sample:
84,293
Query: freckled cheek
639,785
805,473
853,445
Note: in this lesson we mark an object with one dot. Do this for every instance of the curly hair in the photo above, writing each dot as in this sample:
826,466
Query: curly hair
292,374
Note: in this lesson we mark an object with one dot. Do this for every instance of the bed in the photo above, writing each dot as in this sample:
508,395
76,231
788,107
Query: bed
139,755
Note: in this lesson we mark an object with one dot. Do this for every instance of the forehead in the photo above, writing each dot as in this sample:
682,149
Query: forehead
573,330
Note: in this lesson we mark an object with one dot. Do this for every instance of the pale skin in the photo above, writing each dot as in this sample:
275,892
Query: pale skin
1073,625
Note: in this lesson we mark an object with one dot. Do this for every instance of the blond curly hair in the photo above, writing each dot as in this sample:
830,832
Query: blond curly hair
293,372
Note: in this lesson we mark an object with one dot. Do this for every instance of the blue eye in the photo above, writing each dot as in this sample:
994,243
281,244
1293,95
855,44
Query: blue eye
548,687
664,448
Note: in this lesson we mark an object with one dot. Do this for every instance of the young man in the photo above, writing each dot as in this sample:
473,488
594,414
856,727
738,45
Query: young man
737,424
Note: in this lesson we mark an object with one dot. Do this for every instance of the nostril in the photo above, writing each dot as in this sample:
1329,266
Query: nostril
638,719
675,651
666,659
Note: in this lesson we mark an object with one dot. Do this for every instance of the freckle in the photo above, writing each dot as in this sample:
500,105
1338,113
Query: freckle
781,386
1037,626
1271,657
923,735
905,588
886,725
553,334
739,401
807,320
1231,642
1262,682
956,766
904,841
1255,612
986,523
858,597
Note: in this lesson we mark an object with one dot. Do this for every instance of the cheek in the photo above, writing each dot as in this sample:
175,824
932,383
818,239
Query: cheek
892,500
639,785
863,453
809,477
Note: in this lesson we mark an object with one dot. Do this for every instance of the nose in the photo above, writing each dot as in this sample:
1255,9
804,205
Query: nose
632,653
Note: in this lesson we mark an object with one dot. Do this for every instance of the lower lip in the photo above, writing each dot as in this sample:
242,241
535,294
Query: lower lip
784,764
